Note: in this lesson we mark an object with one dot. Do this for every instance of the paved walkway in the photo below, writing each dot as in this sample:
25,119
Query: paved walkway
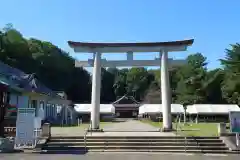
68,131
120,128
131,134
117,156
130,126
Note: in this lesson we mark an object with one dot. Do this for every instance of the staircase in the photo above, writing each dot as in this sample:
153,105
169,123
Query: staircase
135,144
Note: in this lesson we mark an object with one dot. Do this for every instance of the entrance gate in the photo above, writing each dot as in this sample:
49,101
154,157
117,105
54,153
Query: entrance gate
161,47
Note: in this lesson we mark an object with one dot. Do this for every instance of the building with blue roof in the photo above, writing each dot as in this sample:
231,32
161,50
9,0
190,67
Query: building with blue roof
26,91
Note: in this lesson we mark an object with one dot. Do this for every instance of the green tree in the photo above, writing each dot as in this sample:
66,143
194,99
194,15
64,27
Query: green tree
138,81
107,89
51,65
213,87
120,85
231,83
192,77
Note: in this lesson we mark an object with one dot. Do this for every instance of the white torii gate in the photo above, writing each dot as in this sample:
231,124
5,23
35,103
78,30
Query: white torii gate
98,48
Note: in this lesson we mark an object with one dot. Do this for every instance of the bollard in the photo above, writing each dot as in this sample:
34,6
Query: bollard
222,128
237,140
46,130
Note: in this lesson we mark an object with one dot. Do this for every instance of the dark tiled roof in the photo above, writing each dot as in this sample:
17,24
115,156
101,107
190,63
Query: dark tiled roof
28,82
4,80
126,105
126,100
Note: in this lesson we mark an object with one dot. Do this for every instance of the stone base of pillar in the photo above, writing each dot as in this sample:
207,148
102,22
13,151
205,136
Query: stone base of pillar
167,130
95,130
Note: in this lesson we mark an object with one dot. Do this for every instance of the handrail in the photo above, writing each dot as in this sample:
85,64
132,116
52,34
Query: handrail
185,143
178,121
197,143
86,132
105,143
90,126
178,127
150,144
85,139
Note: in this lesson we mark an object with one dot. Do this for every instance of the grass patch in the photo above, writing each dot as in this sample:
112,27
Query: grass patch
155,124
199,129
191,129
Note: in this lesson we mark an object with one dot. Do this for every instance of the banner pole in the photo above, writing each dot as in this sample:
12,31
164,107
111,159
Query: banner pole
237,140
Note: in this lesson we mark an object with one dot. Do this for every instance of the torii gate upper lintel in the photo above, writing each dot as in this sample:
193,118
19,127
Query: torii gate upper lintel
98,48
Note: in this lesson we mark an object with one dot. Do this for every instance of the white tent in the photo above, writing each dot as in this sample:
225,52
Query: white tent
86,108
157,108
211,109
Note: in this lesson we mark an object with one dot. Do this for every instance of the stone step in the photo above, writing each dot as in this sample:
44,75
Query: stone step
136,140
136,143
83,151
48,147
148,137
131,137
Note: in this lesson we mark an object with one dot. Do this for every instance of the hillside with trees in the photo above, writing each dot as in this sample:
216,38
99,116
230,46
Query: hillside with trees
191,83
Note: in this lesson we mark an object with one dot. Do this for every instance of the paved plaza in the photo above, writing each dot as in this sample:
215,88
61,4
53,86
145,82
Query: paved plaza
126,127
118,156
130,126
67,131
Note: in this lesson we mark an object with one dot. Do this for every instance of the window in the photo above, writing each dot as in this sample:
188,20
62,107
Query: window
34,105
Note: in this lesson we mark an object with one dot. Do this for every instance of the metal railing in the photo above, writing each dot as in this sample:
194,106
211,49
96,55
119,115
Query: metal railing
86,132
37,135
179,128
90,127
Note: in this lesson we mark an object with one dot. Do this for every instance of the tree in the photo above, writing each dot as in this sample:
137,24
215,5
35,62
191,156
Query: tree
192,77
138,81
51,65
213,86
107,90
231,83
120,85
153,94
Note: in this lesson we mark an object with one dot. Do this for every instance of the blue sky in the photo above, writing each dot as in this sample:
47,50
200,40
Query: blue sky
214,24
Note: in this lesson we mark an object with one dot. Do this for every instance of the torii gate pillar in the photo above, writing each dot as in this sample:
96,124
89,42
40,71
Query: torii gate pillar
165,92
96,91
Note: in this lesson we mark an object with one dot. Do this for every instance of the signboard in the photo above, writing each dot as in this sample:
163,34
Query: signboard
25,127
234,122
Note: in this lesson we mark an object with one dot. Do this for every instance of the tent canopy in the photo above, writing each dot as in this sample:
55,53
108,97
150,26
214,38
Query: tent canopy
211,109
86,108
157,108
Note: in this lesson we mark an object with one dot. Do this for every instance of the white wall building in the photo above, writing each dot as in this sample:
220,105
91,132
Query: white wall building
86,108
210,112
158,108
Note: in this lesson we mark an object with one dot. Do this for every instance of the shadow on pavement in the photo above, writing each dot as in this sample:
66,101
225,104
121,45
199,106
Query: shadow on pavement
64,149
75,152
12,151
118,121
